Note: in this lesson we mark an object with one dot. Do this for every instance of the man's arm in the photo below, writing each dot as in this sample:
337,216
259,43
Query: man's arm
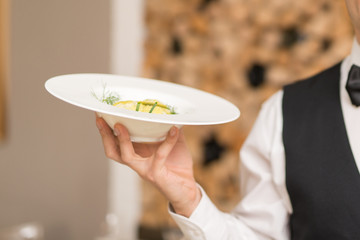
264,209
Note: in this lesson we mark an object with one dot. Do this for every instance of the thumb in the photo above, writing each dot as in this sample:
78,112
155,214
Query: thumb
165,148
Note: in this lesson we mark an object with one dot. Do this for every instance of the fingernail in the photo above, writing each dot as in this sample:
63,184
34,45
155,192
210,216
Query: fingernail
116,132
172,131
98,124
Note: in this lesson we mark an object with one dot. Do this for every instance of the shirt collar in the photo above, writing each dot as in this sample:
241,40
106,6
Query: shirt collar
353,58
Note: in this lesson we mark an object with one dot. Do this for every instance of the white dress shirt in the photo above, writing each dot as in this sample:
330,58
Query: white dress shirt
264,210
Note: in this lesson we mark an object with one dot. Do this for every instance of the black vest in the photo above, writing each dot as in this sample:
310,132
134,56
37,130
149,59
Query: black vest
322,178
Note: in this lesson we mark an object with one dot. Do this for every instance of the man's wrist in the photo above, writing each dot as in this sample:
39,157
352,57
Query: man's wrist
187,208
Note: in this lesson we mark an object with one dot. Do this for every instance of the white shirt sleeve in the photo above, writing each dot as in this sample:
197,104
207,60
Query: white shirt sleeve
265,207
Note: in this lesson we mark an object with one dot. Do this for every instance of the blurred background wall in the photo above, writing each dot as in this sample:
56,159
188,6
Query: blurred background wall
127,53
52,166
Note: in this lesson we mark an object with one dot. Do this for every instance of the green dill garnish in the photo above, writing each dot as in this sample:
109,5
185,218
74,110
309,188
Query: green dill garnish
107,97
152,109
138,106
172,109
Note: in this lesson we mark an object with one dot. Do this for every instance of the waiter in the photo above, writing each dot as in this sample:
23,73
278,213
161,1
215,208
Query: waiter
299,165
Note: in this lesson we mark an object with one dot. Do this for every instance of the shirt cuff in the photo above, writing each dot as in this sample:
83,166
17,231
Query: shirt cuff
201,223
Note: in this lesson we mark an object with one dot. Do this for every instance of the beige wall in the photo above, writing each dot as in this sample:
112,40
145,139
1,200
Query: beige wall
52,167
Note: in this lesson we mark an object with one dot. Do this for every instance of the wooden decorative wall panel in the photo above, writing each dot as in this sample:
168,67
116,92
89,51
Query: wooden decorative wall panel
4,34
243,51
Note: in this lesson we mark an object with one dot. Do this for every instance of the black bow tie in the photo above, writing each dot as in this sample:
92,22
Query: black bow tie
353,85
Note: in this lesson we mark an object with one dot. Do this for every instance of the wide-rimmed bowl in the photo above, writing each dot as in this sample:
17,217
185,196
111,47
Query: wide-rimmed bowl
191,106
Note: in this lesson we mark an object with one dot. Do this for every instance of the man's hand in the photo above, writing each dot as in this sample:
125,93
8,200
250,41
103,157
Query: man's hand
167,165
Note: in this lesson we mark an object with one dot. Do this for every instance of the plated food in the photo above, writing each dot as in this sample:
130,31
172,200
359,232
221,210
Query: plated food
147,106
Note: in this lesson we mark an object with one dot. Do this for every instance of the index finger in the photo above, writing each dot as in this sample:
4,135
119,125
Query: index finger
109,141
125,144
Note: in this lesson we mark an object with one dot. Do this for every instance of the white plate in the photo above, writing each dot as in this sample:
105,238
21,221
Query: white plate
192,106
